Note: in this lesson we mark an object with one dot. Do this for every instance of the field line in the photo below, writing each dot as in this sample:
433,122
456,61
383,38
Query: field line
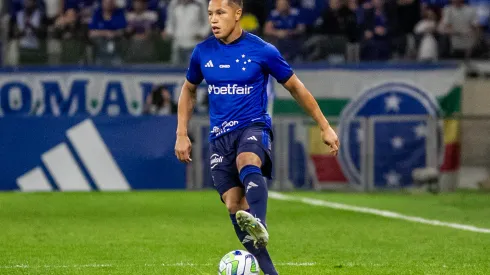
377,212
181,264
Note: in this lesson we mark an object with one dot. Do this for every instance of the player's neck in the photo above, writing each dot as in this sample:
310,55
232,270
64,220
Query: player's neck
234,35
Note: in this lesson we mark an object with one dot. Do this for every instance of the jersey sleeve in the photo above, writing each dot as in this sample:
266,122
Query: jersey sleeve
194,73
276,65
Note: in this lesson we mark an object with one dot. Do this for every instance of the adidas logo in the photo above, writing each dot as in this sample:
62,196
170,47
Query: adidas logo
251,185
209,64
252,138
72,171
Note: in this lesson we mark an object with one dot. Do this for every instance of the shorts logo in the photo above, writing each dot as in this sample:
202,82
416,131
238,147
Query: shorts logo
215,160
225,127
252,138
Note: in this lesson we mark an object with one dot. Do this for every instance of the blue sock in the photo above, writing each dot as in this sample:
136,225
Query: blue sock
261,254
255,191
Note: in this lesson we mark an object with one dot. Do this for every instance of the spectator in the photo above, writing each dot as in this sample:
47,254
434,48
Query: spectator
250,23
460,23
76,15
310,11
186,25
106,30
18,5
29,26
426,29
259,9
336,29
408,15
482,8
159,102
285,30
141,24
436,5
152,5
378,27
141,20
52,10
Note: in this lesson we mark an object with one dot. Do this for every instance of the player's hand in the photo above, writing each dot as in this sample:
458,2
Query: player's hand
330,138
183,148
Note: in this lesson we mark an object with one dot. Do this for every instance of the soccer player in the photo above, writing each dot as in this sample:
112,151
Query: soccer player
236,65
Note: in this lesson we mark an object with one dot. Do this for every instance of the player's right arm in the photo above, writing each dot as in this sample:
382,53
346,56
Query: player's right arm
187,101
283,73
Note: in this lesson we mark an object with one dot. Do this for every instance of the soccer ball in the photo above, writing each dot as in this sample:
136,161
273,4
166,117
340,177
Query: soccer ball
238,262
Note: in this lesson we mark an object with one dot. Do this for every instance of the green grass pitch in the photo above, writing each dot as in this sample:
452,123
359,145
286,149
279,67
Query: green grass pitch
188,232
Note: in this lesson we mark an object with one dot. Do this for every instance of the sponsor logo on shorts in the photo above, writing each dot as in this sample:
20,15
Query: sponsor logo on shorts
225,127
215,160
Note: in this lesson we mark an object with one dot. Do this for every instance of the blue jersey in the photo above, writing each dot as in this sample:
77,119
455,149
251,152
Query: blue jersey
237,75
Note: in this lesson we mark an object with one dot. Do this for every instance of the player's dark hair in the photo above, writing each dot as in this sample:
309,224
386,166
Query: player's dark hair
236,2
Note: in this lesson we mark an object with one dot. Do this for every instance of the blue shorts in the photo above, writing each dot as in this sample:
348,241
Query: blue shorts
255,138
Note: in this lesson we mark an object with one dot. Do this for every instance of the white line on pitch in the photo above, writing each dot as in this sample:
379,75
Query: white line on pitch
182,264
373,211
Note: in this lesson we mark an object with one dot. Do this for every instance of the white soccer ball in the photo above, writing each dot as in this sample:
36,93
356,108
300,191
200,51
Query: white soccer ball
238,262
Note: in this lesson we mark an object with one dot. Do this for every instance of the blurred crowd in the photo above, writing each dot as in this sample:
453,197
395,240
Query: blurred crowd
112,32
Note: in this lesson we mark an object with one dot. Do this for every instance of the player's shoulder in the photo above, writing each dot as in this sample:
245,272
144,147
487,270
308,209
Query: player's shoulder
259,42
266,48
207,43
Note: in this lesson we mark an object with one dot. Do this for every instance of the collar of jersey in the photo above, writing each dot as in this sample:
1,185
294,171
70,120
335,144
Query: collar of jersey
236,40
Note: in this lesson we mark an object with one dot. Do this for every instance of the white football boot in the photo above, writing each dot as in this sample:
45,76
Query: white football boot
254,227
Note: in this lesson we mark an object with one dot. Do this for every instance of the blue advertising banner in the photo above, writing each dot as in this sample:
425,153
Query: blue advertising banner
89,153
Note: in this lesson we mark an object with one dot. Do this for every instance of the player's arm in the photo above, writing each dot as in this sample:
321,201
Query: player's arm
301,94
187,101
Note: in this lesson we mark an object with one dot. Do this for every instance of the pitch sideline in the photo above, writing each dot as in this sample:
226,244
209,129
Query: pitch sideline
181,264
377,212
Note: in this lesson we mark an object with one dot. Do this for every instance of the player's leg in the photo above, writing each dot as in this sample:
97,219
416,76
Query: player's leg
235,201
249,165
254,163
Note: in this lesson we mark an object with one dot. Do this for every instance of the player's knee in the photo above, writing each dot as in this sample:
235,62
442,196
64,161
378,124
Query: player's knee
244,204
232,199
248,158
233,206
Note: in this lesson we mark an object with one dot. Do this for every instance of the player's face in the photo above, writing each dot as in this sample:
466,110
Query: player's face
223,17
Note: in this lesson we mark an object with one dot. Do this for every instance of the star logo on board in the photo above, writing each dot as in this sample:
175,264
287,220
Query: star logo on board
397,142
392,178
243,61
420,130
396,132
392,103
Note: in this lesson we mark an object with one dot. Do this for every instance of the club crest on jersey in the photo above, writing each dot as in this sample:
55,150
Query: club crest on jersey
243,61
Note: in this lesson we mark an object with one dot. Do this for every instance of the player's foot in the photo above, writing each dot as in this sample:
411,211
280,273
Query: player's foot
254,227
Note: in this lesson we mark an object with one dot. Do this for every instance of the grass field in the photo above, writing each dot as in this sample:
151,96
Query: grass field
188,232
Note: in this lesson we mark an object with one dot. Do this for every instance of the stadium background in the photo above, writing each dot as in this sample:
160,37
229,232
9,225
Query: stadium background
85,113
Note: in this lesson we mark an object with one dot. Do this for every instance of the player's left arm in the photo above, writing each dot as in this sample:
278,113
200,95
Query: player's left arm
303,96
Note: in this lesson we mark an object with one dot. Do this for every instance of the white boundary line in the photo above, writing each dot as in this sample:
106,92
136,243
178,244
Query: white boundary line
182,264
377,212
